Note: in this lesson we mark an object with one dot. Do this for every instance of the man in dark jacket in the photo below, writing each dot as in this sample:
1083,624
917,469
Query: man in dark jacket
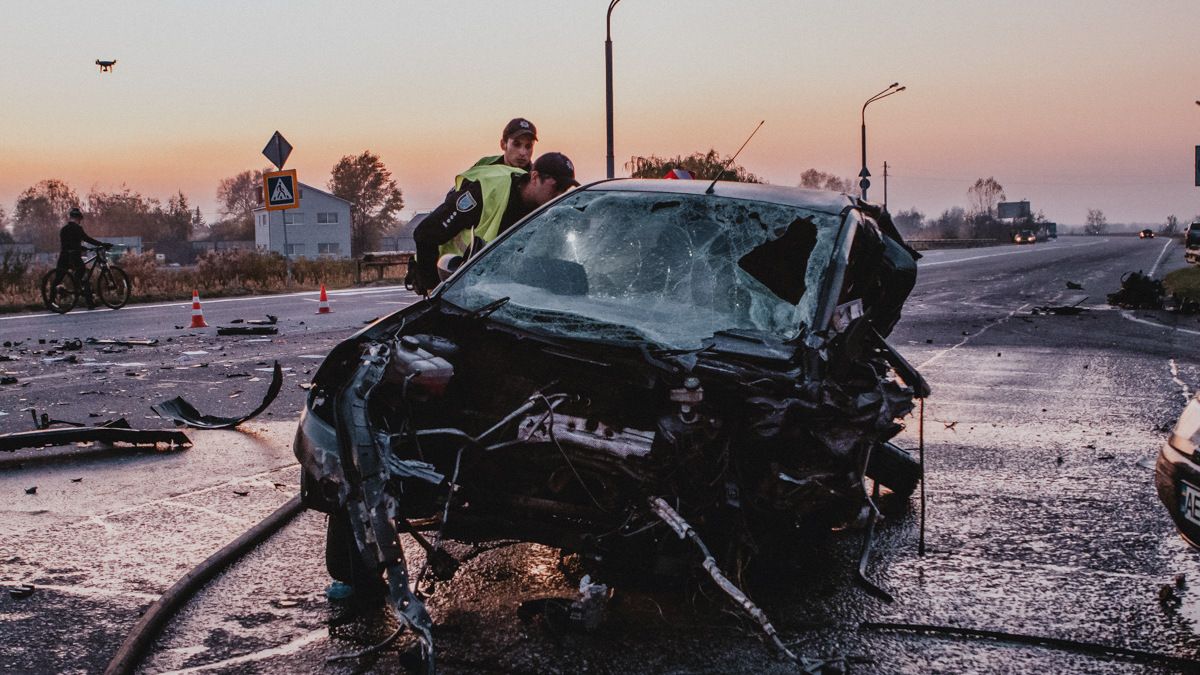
486,200
70,256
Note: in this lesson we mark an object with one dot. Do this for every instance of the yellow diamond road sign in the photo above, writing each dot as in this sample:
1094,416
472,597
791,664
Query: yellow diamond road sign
281,190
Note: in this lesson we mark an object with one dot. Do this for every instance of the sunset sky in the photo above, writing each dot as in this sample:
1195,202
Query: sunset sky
1072,104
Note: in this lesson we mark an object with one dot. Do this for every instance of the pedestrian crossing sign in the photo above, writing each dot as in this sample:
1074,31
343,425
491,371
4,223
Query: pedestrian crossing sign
281,190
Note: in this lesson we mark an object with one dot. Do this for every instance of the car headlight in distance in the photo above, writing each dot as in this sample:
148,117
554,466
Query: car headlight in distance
1187,429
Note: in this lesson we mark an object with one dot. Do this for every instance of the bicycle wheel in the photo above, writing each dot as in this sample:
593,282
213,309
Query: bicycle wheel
61,298
113,287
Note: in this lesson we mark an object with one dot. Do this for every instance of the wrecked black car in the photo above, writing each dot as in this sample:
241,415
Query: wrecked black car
654,375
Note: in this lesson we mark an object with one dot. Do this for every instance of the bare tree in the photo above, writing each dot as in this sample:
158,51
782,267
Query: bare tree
909,222
984,195
1096,222
237,197
374,197
41,210
819,180
1171,227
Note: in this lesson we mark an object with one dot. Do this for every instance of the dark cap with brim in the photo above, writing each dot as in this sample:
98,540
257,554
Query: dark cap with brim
557,166
517,127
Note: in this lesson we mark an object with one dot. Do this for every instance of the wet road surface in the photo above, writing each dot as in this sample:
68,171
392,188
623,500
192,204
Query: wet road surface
1042,521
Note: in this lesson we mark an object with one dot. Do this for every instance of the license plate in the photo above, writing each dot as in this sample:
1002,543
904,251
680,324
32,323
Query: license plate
1189,502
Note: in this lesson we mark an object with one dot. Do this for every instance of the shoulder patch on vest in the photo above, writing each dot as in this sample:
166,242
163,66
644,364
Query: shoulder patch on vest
466,202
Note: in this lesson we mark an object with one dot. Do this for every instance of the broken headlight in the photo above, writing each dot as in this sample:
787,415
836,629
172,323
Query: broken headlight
1187,429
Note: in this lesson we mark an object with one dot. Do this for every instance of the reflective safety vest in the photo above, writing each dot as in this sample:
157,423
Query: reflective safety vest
495,182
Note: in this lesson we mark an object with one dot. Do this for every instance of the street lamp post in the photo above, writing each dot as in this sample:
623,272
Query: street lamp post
608,94
865,175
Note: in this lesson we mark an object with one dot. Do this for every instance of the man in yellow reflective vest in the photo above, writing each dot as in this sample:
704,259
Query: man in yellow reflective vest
516,142
486,200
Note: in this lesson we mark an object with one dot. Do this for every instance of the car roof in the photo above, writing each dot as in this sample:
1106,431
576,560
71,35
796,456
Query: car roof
823,201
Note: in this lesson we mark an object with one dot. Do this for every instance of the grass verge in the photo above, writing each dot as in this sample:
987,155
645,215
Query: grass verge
1185,283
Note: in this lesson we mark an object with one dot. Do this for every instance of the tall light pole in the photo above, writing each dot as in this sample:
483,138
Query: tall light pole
865,175
608,82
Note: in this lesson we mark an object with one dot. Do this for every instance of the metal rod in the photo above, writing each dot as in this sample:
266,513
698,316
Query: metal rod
608,87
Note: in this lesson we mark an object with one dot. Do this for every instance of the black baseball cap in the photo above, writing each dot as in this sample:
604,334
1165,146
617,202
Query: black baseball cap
518,126
557,166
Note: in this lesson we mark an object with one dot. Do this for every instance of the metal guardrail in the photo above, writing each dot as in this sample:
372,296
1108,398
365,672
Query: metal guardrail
380,260
927,244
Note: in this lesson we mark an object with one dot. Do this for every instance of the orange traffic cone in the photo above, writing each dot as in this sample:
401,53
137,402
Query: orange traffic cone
323,307
197,313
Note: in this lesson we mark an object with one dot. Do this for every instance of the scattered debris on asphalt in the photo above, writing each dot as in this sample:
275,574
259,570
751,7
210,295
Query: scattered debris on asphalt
72,345
247,330
8,379
1138,291
31,490
1074,286
110,435
184,413
21,590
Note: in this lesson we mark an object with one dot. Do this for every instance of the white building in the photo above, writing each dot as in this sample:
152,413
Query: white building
319,227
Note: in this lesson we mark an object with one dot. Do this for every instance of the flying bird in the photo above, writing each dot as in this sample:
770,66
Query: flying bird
106,66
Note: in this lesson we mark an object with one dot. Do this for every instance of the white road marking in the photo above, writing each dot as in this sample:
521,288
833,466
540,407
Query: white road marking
967,339
1160,257
1014,252
1131,317
1187,393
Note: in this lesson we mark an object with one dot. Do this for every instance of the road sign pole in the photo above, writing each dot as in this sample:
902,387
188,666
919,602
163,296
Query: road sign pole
278,150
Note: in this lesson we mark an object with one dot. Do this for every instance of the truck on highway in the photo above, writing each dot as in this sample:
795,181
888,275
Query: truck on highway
1191,243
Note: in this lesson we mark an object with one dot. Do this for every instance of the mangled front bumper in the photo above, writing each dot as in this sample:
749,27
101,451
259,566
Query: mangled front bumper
1177,473
323,485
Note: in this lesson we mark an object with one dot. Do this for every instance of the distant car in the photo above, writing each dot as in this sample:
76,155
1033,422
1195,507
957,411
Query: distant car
1025,237
1177,473
1146,234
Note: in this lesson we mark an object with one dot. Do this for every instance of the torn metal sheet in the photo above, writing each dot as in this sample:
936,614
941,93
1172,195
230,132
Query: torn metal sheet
44,437
184,413
247,330
121,343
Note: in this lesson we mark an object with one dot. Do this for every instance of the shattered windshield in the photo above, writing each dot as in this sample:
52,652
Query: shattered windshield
669,269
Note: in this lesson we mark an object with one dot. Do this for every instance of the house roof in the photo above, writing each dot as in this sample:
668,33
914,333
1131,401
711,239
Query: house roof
306,186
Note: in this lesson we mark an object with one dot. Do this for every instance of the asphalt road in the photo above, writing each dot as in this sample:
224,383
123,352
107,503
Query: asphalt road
1041,516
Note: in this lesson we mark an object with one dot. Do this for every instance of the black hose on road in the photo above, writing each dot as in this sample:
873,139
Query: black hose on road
1189,665
160,612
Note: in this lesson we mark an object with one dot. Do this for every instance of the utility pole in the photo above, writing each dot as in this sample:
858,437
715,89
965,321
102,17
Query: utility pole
885,176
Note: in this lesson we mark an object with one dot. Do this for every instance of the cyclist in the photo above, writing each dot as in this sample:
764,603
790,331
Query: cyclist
70,256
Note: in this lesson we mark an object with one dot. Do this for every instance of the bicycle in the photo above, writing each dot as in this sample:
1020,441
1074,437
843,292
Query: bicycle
112,284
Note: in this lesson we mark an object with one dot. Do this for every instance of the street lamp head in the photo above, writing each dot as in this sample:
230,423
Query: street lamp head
894,85
901,89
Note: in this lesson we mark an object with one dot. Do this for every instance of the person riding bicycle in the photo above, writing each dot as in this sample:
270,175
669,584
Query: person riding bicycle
70,256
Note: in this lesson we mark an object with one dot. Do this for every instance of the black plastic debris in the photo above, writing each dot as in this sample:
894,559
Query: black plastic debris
31,490
1062,310
111,434
8,379
184,413
1074,286
1139,291
72,345
271,320
21,590
44,422
247,330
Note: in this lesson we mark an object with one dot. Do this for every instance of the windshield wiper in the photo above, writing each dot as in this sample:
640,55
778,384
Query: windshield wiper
487,309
